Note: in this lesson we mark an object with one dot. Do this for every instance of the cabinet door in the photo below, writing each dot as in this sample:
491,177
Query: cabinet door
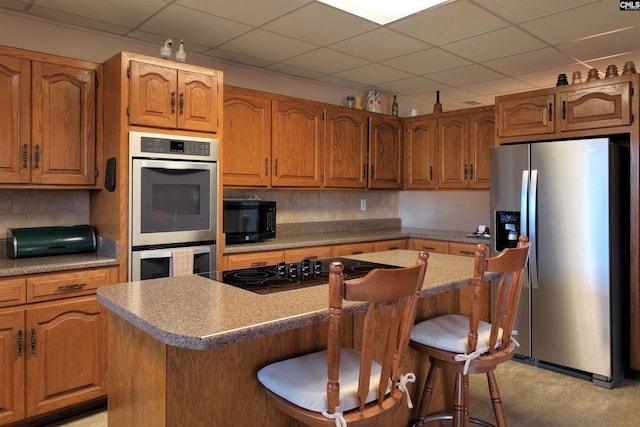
67,353
297,135
152,95
453,140
420,151
247,140
481,139
345,149
12,291
596,107
15,86
63,125
385,155
525,116
197,101
12,365
44,287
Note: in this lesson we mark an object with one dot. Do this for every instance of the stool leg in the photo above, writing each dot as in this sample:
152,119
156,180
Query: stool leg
501,419
427,394
458,401
465,400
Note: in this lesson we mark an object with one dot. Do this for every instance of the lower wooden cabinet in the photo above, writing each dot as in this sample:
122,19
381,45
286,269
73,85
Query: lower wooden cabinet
352,249
53,354
389,245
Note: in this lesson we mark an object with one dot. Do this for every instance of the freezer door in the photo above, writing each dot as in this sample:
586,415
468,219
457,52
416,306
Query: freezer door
509,194
571,302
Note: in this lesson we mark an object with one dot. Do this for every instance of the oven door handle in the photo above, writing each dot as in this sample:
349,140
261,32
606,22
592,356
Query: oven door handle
166,253
178,165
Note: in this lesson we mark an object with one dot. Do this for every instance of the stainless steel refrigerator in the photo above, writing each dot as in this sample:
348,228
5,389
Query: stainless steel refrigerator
571,198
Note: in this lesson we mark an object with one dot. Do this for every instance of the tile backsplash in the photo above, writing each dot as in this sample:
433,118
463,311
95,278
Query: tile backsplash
299,206
42,208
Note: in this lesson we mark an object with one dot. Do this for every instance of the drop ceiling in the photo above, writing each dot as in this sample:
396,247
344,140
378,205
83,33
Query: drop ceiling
469,50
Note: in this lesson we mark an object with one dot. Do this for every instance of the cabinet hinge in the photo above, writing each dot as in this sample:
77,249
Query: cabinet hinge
127,111
97,83
95,173
323,116
128,72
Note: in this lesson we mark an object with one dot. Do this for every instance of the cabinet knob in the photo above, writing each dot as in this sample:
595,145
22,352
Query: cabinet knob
33,340
37,156
173,102
181,104
25,156
20,342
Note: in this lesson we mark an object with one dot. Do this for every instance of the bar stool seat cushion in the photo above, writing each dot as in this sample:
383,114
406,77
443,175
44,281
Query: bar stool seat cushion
449,333
303,380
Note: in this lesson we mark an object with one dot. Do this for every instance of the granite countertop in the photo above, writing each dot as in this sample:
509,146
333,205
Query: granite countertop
47,264
336,237
198,313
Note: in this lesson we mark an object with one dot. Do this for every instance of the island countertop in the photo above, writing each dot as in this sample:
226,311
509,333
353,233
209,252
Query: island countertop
194,312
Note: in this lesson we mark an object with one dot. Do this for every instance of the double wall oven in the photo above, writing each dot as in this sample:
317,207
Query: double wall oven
173,188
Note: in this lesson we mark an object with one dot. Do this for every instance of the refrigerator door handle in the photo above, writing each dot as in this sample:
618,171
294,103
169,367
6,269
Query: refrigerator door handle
533,258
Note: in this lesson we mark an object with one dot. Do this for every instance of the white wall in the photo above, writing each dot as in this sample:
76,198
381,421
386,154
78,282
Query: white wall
447,210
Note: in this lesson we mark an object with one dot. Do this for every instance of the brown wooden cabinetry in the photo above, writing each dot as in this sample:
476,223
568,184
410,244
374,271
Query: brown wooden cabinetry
345,148
296,138
49,119
252,259
352,249
312,253
420,168
437,246
550,112
464,139
389,245
385,154
247,139
54,352
168,97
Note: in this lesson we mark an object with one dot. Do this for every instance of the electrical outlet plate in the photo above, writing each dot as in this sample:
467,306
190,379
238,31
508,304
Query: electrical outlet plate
363,204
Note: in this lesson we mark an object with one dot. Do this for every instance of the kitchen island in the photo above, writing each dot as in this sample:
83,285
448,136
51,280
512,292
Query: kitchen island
185,350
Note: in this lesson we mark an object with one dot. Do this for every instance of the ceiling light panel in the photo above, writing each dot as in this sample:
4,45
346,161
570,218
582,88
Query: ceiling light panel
382,11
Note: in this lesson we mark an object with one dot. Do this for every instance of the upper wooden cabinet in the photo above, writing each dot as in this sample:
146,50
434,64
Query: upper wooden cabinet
464,139
420,153
345,148
296,138
48,119
169,97
385,154
247,139
552,112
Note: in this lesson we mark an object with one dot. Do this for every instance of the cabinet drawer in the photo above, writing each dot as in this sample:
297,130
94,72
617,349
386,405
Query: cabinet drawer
68,284
525,116
388,245
352,249
254,259
314,252
464,249
436,246
12,292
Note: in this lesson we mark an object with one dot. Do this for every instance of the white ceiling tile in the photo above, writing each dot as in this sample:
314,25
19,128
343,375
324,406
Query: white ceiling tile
198,27
453,21
336,81
410,85
494,45
295,71
245,11
537,60
266,45
320,24
605,45
595,18
525,10
326,61
373,74
159,41
80,21
427,61
122,12
494,87
14,4
380,44
236,57
467,74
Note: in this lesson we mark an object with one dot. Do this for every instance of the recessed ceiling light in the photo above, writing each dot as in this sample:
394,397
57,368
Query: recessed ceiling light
382,11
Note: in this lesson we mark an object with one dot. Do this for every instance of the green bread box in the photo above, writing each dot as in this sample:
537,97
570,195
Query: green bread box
45,241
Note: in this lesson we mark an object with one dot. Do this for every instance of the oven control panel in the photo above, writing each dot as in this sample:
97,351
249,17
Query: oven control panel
191,148
179,147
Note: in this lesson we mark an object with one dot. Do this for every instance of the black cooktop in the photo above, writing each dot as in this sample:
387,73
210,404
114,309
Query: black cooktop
284,277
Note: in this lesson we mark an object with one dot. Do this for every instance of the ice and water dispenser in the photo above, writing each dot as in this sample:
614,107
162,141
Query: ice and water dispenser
507,229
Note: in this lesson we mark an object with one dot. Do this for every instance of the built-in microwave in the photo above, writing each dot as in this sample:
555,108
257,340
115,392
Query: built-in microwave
248,220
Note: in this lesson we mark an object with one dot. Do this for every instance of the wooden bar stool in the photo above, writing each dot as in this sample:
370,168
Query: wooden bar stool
466,345
340,386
